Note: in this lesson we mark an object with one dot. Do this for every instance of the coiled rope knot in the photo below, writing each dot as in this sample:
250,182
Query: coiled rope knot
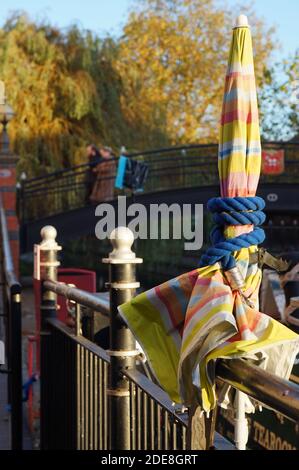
233,211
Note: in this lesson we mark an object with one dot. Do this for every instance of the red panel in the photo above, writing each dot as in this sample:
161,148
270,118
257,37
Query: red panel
81,278
272,162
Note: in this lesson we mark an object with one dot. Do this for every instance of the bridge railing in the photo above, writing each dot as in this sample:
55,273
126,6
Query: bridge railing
170,168
95,399
11,329
70,188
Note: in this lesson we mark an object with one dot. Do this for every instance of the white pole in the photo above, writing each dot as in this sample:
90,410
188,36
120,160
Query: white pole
241,423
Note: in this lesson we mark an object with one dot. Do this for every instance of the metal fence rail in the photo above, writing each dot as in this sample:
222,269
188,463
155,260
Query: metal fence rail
278,394
154,423
78,402
79,296
92,399
78,417
11,297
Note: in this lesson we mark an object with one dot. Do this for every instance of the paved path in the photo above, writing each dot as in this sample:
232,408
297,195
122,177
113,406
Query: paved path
4,412
4,415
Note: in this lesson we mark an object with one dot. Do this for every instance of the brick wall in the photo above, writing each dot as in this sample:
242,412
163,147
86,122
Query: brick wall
8,192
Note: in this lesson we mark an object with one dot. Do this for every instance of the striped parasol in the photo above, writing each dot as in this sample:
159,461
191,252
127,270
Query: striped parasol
187,323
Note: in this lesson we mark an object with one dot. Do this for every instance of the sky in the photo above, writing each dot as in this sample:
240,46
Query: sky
109,15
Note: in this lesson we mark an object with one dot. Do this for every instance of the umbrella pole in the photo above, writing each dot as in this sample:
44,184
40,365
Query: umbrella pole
241,423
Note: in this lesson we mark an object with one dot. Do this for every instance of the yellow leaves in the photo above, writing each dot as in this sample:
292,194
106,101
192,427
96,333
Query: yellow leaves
78,92
179,50
49,91
162,81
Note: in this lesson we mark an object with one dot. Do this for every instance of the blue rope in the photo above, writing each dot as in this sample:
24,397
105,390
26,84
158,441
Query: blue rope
233,211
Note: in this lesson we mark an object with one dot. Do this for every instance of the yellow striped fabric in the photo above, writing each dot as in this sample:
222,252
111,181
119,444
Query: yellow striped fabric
187,323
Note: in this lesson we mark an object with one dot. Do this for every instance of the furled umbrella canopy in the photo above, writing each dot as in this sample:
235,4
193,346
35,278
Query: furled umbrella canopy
187,323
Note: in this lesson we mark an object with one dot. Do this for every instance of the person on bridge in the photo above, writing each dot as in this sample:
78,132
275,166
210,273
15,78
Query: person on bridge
103,188
94,157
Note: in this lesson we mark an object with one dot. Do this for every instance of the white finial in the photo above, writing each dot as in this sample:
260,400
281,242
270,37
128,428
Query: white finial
122,239
49,234
241,22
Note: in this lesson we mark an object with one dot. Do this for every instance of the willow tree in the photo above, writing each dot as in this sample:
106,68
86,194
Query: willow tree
42,91
172,58
64,90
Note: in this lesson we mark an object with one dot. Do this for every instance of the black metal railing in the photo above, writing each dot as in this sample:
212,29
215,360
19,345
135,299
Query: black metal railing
81,397
278,394
190,166
95,399
78,404
79,380
78,411
155,425
12,326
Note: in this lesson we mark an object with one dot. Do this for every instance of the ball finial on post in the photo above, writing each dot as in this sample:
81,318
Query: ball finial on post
45,255
122,239
48,235
122,345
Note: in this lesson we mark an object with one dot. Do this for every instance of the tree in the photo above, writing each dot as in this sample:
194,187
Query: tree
66,93
161,82
172,59
48,99
280,100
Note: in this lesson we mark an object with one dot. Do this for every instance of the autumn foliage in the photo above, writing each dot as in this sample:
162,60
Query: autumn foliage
159,83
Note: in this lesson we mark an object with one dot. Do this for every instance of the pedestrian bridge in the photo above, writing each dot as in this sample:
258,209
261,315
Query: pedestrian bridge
181,175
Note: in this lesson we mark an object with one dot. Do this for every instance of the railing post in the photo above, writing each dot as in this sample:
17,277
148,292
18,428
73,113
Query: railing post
11,297
22,199
46,265
16,390
241,423
201,428
122,283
